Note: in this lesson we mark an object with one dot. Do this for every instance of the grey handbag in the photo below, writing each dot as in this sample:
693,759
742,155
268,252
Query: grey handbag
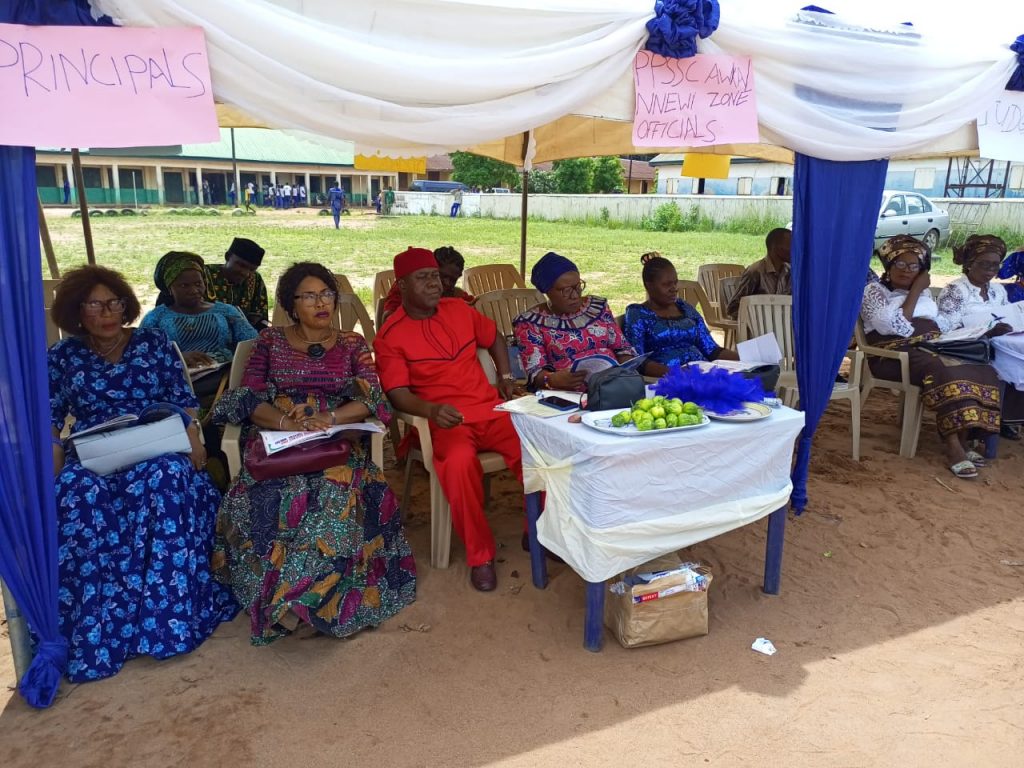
617,387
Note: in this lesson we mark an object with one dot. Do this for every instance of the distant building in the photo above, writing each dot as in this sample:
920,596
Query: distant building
175,175
748,176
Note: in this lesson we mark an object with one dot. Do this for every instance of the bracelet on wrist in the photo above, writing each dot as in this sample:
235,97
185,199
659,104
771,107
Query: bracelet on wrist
56,441
334,419
280,424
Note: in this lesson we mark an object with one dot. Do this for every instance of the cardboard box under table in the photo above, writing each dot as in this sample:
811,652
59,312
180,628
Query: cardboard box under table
616,502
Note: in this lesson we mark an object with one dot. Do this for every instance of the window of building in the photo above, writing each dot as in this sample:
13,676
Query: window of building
744,185
924,178
1016,180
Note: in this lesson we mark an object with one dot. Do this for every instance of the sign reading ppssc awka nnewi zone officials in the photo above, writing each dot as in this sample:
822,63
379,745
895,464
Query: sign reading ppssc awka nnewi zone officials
704,100
105,87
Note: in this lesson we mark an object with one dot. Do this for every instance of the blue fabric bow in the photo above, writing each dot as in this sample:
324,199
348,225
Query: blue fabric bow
673,30
1016,82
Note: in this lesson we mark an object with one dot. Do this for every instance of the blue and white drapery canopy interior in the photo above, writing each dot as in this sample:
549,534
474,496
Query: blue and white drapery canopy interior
420,77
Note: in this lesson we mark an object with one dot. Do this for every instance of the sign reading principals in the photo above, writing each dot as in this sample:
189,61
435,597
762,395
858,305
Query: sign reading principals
703,100
105,87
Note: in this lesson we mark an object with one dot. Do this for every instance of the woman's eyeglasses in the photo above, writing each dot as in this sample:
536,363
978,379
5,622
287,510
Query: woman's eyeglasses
911,266
95,306
573,290
309,298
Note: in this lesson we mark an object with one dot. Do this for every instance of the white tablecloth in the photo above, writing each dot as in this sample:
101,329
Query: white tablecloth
616,502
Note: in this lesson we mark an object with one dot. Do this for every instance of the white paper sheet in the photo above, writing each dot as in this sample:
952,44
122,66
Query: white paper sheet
275,441
763,349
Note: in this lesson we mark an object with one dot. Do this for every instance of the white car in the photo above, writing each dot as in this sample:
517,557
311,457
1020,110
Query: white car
908,213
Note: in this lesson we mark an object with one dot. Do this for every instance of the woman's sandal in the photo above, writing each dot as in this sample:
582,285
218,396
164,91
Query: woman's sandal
965,470
976,459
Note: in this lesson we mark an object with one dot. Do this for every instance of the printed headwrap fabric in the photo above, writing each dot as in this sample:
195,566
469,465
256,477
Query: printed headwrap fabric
903,245
170,267
975,245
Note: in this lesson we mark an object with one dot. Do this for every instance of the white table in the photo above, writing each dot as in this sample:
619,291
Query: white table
613,502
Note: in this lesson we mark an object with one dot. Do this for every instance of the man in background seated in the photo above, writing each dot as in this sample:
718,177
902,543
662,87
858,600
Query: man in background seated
766,276
426,354
238,283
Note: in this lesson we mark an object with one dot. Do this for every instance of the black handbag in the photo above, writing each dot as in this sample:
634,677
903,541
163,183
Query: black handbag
614,388
977,351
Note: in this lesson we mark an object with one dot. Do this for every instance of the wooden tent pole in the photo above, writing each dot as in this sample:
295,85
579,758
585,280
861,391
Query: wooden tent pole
44,235
83,206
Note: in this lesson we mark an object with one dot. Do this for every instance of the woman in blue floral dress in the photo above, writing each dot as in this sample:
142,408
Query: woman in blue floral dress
134,545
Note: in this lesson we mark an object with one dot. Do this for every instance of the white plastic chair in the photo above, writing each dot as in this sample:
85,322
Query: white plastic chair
759,315
440,512
503,306
231,441
913,408
492,277
382,283
710,277
53,333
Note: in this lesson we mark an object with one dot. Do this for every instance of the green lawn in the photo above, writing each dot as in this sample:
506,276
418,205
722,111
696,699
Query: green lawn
609,259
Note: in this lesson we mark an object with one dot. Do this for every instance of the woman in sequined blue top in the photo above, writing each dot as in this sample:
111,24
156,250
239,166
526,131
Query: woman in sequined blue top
665,326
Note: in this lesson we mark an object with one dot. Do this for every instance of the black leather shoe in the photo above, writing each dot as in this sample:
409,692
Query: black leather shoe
547,553
483,577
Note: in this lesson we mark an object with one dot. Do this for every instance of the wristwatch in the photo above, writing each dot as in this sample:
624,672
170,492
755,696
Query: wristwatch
507,377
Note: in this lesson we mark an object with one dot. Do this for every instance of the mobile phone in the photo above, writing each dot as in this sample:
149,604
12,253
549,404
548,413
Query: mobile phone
559,403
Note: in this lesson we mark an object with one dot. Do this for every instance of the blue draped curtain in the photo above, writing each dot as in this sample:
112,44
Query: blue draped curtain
835,211
28,516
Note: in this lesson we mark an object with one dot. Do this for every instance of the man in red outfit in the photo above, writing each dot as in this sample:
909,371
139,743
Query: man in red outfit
426,356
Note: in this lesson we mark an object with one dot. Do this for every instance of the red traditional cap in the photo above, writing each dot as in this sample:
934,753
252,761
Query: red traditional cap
411,259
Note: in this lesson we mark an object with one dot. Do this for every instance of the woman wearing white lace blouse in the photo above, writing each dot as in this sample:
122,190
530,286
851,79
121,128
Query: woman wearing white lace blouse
977,300
899,313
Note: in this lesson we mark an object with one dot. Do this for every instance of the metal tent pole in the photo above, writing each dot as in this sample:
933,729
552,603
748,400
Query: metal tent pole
17,628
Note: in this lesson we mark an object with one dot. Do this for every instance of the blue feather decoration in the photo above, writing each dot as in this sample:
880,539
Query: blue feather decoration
716,390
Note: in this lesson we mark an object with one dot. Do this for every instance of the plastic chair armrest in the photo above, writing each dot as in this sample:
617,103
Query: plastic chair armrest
422,427
231,445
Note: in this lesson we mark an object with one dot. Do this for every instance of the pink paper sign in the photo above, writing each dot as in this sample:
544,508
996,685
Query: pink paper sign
104,87
696,102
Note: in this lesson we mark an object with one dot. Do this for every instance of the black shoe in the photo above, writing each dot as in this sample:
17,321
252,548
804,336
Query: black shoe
547,553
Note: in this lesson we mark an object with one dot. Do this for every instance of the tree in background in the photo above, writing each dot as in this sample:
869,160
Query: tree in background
483,172
540,183
607,175
575,176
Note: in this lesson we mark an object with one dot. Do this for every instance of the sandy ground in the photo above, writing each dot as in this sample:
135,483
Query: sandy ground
900,628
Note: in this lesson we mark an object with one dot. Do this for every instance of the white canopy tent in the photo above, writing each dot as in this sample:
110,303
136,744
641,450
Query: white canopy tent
420,77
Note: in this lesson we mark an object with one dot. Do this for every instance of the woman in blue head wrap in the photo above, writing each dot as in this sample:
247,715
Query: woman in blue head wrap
567,327
1013,267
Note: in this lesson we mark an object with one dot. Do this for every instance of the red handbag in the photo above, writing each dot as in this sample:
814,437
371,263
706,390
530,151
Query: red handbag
298,460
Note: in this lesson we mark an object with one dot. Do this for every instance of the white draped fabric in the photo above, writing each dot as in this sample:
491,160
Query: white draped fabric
424,76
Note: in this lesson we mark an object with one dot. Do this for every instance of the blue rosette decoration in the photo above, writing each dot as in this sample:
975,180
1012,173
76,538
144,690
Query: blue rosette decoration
716,390
676,24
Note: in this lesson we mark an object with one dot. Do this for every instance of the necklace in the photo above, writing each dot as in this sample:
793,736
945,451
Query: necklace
315,349
103,352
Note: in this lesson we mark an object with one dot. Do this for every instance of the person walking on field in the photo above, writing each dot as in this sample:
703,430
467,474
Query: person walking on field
336,199
250,192
389,200
456,202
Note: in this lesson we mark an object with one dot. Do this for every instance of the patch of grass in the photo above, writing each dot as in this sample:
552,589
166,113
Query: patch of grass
608,256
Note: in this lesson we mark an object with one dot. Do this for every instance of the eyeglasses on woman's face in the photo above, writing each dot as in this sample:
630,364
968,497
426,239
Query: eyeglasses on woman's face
571,291
309,298
907,266
95,307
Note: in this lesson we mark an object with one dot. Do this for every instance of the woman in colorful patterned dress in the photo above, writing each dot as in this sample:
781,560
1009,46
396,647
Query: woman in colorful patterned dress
899,313
134,545
567,327
325,548
665,326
